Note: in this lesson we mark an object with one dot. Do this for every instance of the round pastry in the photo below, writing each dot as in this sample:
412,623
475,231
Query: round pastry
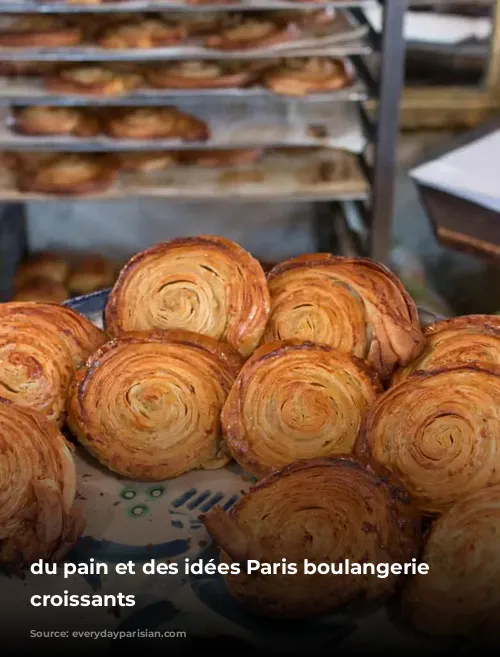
200,23
204,284
471,339
71,173
326,511
93,80
144,161
155,123
94,272
222,158
47,265
199,74
41,346
41,289
39,31
354,304
37,489
147,405
299,77
147,33
294,401
250,33
43,120
439,432
460,595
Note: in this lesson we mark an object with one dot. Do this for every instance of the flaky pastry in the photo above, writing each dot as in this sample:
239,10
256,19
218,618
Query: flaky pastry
251,33
204,284
39,31
299,77
94,80
147,405
323,511
147,33
43,120
155,123
199,74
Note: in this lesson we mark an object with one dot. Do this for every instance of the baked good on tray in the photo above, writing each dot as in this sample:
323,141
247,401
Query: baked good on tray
253,32
354,304
41,289
43,120
70,174
147,405
325,511
299,77
46,264
221,158
41,346
199,74
296,400
155,123
146,161
440,433
141,33
204,284
37,489
93,272
93,80
460,593
39,31
470,339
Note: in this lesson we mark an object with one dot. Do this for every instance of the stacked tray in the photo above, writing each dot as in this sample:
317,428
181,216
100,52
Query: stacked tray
254,115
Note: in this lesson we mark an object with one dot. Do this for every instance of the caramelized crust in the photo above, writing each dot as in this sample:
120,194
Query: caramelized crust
94,80
41,346
44,120
466,340
251,33
147,405
199,75
353,304
148,33
306,76
39,31
155,123
37,489
294,401
325,511
204,284
440,433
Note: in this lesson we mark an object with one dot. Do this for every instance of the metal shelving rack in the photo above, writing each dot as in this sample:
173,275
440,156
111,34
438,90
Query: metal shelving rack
363,224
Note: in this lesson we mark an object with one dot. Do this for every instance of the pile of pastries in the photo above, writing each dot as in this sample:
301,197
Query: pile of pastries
371,439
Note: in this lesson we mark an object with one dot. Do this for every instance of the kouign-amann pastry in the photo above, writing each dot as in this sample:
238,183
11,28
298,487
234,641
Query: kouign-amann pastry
39,31
325,511
306,76
155,123
199,75
460,594
147,405
37,489
46,264
94,80
41,346
470,339
94,272
250,33
439,432
204,284
147,33
42,120
41,289
354,304
146,161
293,401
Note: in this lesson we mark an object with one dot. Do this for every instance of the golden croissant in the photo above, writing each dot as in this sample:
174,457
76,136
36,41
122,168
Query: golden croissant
471,339
147,405
41,347
325,511
439,432
354,304
296,400
206,284
37,489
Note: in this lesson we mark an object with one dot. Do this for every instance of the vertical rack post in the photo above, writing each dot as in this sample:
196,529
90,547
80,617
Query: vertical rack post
392,56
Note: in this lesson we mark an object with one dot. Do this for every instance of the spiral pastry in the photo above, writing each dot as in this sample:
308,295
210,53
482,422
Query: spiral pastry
439,432
37,489
296,400
207,285
325,511
147,405
354,304
471,339
460,593
41,346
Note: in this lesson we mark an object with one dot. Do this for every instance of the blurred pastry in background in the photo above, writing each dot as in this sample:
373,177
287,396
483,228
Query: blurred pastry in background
222,158
147,33
94,272
27,69
299,77
250,32
39,31
199,24
140,161
94,80
42,120
155,123
43,290
46,265
199,74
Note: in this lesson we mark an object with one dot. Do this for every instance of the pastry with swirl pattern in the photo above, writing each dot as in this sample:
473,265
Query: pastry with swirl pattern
470,339
155,123
353,304
296,400
439,433
204,284
147,405
325,511
41,347
37,489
